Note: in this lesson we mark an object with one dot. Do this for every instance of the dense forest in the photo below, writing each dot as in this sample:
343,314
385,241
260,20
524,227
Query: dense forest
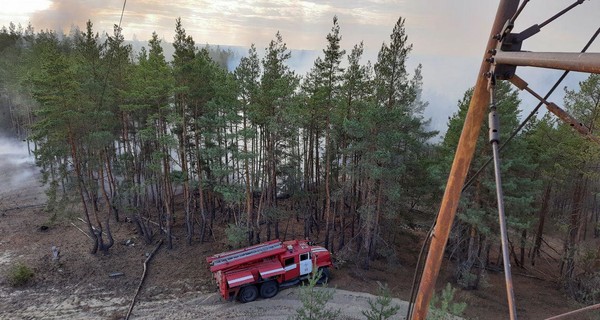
342,155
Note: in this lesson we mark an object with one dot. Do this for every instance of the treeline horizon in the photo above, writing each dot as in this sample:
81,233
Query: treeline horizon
342,153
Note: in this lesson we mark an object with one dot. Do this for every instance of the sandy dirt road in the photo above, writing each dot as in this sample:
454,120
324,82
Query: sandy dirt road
91,303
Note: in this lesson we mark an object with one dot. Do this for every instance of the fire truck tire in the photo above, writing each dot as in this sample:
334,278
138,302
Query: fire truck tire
325,274
248,294
269,289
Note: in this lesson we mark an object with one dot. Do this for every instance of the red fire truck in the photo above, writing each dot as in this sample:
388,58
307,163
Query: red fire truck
266,267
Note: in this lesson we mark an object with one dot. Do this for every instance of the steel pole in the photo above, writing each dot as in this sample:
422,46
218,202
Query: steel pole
460,167
510,295
582,62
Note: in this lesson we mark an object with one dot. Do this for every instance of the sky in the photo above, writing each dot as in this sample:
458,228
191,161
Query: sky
448,37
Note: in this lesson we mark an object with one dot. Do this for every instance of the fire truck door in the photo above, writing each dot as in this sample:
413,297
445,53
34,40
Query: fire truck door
305,264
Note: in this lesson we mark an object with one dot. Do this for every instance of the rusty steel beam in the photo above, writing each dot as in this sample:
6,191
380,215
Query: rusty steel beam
582,62
460,167
556,110
569,315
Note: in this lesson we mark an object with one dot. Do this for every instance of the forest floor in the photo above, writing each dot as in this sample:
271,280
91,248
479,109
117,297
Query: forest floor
179,285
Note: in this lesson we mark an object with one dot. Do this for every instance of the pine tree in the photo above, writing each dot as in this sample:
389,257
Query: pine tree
214,106
16,103
247,76
444,307
391,138
381,308
101,95
584,105
314,300
323,89
147,140
331,74
477,229
183,74
356,94
66,104
545,152
278,84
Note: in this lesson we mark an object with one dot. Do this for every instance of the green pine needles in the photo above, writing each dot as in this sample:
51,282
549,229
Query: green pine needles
314,300
19,275
382,307
444,306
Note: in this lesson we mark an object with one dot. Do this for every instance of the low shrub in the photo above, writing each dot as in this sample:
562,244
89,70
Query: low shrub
19,275
236,235
444,306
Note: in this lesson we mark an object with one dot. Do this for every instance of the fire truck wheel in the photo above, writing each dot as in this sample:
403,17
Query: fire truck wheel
248,294
269,289
325,274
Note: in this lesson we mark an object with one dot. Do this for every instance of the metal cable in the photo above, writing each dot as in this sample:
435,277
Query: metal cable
534,29
122,12
110,61
494,138
556,16
535,110
418,269
514,18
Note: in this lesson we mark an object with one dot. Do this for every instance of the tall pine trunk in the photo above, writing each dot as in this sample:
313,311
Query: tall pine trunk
80,190
541,221
571,243
328,218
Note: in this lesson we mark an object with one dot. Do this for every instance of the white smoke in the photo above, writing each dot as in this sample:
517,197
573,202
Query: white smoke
64,14
17,168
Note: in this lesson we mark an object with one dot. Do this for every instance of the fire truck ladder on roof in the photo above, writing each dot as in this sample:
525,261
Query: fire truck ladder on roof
247,253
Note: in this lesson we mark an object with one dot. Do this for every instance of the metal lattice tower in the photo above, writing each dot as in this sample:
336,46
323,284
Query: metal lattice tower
501,58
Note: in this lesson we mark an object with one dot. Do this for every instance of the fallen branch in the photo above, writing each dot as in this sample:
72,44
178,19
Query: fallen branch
549,255
23,207
544,275
93,227
498,269
549,246
155,223
86,234
137,291
528,276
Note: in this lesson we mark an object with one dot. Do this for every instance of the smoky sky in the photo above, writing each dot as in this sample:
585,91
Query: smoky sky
232,22
448,37
63,14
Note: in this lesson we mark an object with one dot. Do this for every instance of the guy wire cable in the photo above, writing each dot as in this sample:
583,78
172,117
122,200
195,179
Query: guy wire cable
418,269
110,61
535,110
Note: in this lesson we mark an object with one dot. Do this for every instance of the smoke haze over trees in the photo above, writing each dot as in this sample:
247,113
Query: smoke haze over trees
342,154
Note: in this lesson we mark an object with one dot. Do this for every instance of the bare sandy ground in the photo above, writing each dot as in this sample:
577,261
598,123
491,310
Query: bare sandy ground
91,303
83,297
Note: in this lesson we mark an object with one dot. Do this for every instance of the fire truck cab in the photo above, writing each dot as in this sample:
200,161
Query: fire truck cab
264,268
